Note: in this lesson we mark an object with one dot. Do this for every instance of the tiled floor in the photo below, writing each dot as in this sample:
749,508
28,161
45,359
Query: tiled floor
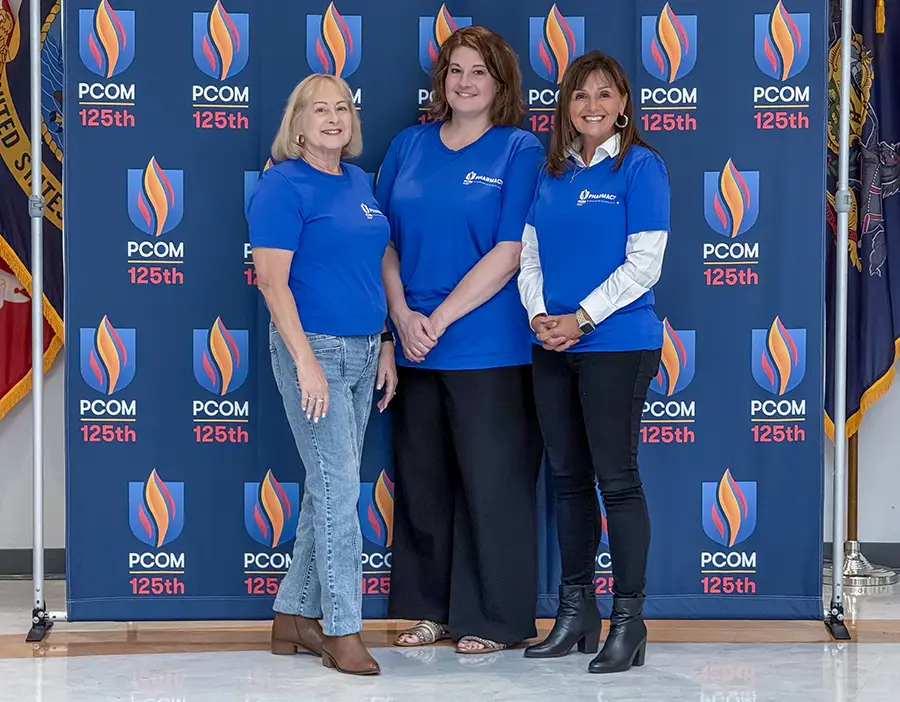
224,662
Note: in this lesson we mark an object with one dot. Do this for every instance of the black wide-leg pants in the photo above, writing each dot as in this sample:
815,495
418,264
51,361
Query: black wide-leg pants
467,455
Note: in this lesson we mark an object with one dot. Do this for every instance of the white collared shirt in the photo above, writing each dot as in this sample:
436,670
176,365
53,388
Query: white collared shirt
644,252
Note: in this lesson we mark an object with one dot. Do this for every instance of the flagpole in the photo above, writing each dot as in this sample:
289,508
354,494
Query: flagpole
835,620
41,623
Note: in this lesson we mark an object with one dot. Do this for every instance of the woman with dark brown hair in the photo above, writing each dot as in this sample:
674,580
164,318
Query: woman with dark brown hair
456,191
593,249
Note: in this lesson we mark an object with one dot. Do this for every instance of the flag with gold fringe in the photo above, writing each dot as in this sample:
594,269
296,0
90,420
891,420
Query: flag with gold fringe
873,295
15,188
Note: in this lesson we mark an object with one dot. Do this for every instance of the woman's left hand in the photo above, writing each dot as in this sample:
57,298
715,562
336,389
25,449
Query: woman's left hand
561,336
387,375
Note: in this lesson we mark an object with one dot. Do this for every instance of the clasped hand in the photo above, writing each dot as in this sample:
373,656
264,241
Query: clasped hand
556,332
417,335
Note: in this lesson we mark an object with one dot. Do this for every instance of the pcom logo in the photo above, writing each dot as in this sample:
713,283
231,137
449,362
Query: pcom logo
729,510
106,39
779,357
333,42
108,357
554,42
221,358
155,198
156,510
271,510
781,43
376,511
669,44
731,200
433,32
676,366
221,42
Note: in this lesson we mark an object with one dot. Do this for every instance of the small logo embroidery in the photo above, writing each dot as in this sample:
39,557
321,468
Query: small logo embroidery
370,212
587,196
473,177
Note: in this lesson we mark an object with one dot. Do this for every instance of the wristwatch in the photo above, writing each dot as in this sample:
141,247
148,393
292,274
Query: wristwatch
584,324
387,336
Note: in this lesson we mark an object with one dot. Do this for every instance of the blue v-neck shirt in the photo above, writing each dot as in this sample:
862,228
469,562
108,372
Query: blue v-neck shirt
447,209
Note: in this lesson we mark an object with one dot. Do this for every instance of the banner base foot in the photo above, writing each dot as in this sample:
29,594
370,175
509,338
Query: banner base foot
835,622
41,623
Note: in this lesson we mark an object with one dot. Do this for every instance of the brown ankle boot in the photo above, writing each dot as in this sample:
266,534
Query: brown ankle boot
349,655
292,634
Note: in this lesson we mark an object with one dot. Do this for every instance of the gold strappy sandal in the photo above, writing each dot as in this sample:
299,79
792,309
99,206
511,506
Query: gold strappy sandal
489,646
426,632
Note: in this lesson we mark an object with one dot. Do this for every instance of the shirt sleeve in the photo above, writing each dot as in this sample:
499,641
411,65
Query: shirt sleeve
274,214
531,277
384,180
644,252
647,200
518,192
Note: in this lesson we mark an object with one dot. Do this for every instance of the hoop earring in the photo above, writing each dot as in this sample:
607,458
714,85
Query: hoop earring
300,140
621,126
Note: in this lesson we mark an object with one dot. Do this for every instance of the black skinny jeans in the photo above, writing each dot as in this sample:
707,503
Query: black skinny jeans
589,405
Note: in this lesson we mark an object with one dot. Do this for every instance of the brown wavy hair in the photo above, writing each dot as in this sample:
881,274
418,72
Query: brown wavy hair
564,132
501,62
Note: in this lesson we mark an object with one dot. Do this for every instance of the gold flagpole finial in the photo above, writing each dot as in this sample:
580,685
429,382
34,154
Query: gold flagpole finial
879,16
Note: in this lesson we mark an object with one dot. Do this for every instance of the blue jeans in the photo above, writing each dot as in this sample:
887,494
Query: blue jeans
325,578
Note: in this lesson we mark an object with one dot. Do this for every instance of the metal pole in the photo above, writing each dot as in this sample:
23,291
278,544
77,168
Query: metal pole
36,212
842,201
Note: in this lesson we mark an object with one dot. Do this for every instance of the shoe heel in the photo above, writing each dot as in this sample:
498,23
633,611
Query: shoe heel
328,661
284,648
640,655
589,643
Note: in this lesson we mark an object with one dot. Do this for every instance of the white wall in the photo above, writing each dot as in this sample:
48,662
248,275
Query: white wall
879,485
15,467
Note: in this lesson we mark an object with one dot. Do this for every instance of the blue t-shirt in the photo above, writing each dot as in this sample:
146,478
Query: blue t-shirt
582,221
447,209
338,235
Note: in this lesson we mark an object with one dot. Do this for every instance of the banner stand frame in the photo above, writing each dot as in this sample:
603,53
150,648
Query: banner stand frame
834,620
41,620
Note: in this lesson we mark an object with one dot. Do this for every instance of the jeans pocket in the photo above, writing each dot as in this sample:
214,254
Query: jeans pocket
324,343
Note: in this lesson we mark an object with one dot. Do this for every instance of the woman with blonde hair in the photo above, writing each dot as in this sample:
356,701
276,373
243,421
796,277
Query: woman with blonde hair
318,238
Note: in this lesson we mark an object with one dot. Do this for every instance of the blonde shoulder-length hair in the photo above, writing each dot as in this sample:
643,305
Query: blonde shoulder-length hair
286,144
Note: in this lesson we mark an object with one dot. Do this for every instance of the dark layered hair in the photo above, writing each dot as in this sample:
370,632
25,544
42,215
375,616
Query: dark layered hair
564,132
501,62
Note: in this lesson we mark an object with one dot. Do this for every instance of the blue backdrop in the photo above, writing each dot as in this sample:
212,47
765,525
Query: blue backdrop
183,481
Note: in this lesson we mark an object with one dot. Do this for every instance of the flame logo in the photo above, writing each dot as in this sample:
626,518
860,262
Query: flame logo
156,198
732,200
272,510
377,512
157,511
108,358
730,509
444,26
222,358
556,46
673,361
783,43
779,357
338,42
107,40
670,45
221,43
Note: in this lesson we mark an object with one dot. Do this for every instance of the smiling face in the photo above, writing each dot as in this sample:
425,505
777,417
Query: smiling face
595,106
326,123
469,86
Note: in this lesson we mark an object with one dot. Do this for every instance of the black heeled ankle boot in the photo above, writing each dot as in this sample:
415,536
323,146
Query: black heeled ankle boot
577,621
626,643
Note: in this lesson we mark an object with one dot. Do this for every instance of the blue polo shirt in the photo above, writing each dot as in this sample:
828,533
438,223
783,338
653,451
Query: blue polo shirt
447,209
582,221
338,235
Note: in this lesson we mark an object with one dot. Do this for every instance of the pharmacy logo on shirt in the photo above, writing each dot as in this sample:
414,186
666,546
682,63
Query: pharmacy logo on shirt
473,177
587,196
370,212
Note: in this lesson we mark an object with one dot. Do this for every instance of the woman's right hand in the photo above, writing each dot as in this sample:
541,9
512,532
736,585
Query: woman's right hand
417,335
314,398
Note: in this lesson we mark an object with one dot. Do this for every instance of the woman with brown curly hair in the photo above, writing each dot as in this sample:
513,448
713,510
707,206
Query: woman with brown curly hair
593,250
456,191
